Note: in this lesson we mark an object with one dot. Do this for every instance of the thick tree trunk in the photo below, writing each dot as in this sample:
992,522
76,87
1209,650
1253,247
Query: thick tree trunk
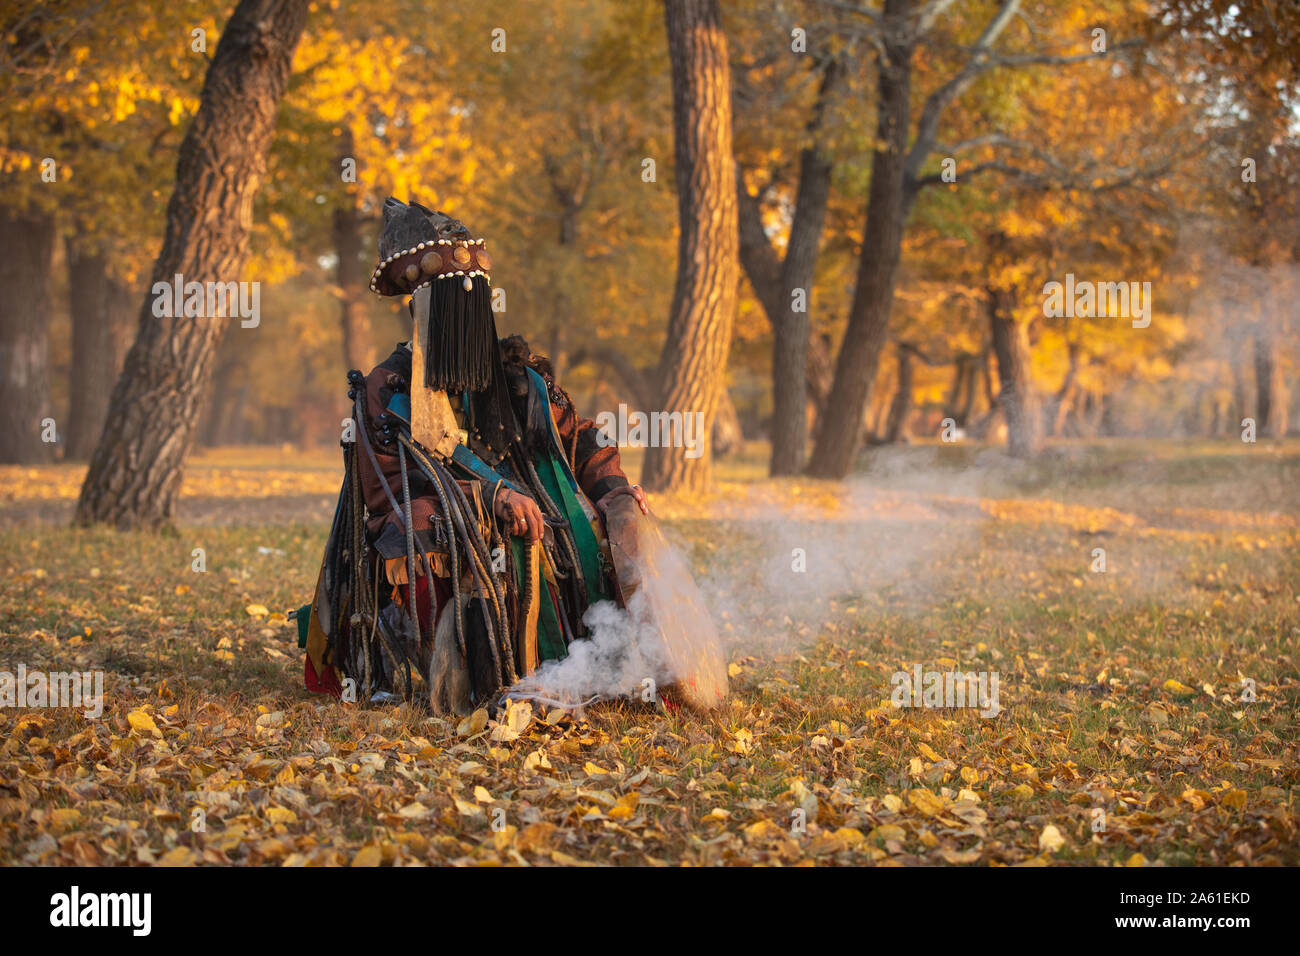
693,364
101,315
26,251
1017,398
791,322
790,333
135,473
839,435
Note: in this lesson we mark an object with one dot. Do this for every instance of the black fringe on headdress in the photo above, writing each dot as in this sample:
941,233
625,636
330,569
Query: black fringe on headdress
463,355
462,350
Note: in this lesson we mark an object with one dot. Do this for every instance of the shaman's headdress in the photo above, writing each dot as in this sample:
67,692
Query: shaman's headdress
433,258
420,248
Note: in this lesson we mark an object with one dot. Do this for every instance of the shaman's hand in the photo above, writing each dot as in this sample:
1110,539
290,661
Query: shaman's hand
633,490
520,513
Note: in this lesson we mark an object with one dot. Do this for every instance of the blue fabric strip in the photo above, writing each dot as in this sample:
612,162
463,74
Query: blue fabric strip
400,405
480,469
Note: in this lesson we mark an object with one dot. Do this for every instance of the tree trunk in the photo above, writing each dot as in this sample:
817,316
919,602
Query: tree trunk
26,250
961,376
1093,416
792,327
840,433
980,427
135,473
693,364
351,276
1270,397
570,205
1240,393
100,322
1016,398
820,372
900,409
1063,402
728,437
215,422
638,385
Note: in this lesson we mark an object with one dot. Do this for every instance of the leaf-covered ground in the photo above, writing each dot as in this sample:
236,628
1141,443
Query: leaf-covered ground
1123,736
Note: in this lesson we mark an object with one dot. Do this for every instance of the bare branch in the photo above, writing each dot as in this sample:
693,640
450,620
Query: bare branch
932,12
938,101
853,8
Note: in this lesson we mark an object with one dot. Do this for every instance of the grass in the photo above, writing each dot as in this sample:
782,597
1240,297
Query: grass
1120,692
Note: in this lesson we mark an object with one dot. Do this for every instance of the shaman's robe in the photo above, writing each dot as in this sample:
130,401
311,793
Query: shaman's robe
547,593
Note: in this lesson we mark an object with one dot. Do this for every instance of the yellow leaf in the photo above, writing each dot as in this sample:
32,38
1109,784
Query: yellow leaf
64,817
1050,839
281,815
925,801
1236,799
849,836
891,802
1178,688
536,760
888,831
928,752
625,809
503,837
1022,791
180,856
140,720
465,808
474,723
535,837
763,830
256,610
369,855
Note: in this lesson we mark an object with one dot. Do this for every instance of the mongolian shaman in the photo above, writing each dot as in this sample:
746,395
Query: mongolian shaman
472,476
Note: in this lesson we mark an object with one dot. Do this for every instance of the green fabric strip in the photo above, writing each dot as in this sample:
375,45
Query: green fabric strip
560,484
550,636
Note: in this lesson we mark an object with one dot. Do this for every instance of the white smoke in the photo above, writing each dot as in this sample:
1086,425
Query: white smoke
664,639
623,652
